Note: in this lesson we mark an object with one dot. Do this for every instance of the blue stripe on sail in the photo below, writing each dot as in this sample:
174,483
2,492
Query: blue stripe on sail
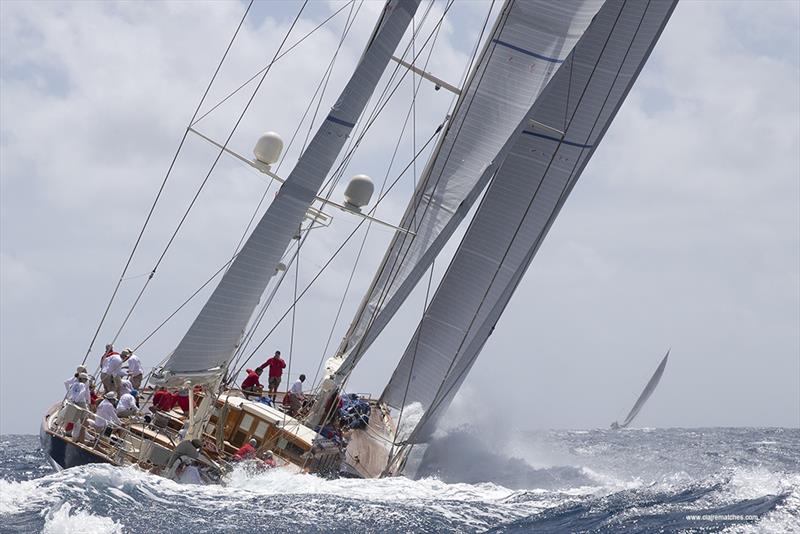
527,52
340,121
556,139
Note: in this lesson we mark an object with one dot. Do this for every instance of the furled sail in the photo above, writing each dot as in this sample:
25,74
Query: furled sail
213,337
528,44
648,390
558,138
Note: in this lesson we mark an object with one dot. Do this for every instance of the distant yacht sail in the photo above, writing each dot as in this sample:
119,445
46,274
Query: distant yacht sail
648,390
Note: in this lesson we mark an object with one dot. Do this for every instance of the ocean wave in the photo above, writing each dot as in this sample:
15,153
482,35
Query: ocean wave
62,521
634,482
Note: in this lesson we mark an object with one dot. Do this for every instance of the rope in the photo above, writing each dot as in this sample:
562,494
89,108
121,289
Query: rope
163,184
210,171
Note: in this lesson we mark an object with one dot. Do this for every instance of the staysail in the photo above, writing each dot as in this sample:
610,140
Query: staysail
558,138
527,45
648,390
213,337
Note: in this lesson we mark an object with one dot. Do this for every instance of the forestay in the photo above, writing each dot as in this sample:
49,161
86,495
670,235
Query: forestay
527,45
521,204
213,337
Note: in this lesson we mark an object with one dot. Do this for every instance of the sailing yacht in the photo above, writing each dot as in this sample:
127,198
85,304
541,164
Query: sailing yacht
644,395
542,89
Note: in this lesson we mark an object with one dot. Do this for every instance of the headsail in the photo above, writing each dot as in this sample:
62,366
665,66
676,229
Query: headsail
648,390
528,44
213,337
558,138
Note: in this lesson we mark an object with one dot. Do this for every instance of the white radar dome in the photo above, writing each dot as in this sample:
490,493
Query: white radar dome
268,148
359,191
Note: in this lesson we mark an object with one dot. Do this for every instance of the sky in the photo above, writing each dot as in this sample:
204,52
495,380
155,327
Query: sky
683,232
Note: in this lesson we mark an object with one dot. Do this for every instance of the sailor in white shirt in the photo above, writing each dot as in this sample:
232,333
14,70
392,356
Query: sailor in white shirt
78,395
111,372
127,404
125,387
74,378
134,367
106,413
296,396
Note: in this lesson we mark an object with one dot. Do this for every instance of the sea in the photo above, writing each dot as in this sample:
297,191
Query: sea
467,480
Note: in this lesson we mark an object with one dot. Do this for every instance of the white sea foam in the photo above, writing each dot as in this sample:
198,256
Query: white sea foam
62,521
19,496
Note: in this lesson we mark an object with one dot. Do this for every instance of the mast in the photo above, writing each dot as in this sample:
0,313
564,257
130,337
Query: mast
208,346
526,46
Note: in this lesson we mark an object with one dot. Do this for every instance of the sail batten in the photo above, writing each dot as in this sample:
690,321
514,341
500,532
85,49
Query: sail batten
214,336
521,203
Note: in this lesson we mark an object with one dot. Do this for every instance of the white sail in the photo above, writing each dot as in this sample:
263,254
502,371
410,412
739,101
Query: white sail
528,44
213,337
646,392
521,204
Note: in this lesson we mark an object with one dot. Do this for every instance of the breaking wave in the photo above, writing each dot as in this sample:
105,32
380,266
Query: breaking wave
668,480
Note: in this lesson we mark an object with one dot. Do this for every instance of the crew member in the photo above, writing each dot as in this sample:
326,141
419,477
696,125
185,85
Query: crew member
109,351
124,386
74,378
135,372
78,395
126,406
276,366
247,451
111,372
269,459
296,396
107,413
163,399
251,384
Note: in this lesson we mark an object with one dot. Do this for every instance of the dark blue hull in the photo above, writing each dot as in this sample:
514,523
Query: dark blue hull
64,454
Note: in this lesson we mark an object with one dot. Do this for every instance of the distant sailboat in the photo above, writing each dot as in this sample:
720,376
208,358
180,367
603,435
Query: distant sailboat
648,390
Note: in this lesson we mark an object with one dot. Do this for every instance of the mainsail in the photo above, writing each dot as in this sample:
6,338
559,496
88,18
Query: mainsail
527,45
213,337
557,139
648,390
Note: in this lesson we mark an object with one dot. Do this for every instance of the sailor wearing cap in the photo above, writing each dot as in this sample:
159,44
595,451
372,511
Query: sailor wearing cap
78,395
74,378
135,372
126,406
106,413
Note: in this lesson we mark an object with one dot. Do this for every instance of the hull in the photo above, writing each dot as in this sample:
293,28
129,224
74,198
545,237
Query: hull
63,454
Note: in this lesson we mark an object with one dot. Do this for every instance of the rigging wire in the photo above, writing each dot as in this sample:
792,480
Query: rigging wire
208,175
164,183
415,90
339,171
326,76
269,65
393,271
335,254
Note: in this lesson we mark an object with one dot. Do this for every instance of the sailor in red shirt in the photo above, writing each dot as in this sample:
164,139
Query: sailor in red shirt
164,400
247,451
276,366
251,384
